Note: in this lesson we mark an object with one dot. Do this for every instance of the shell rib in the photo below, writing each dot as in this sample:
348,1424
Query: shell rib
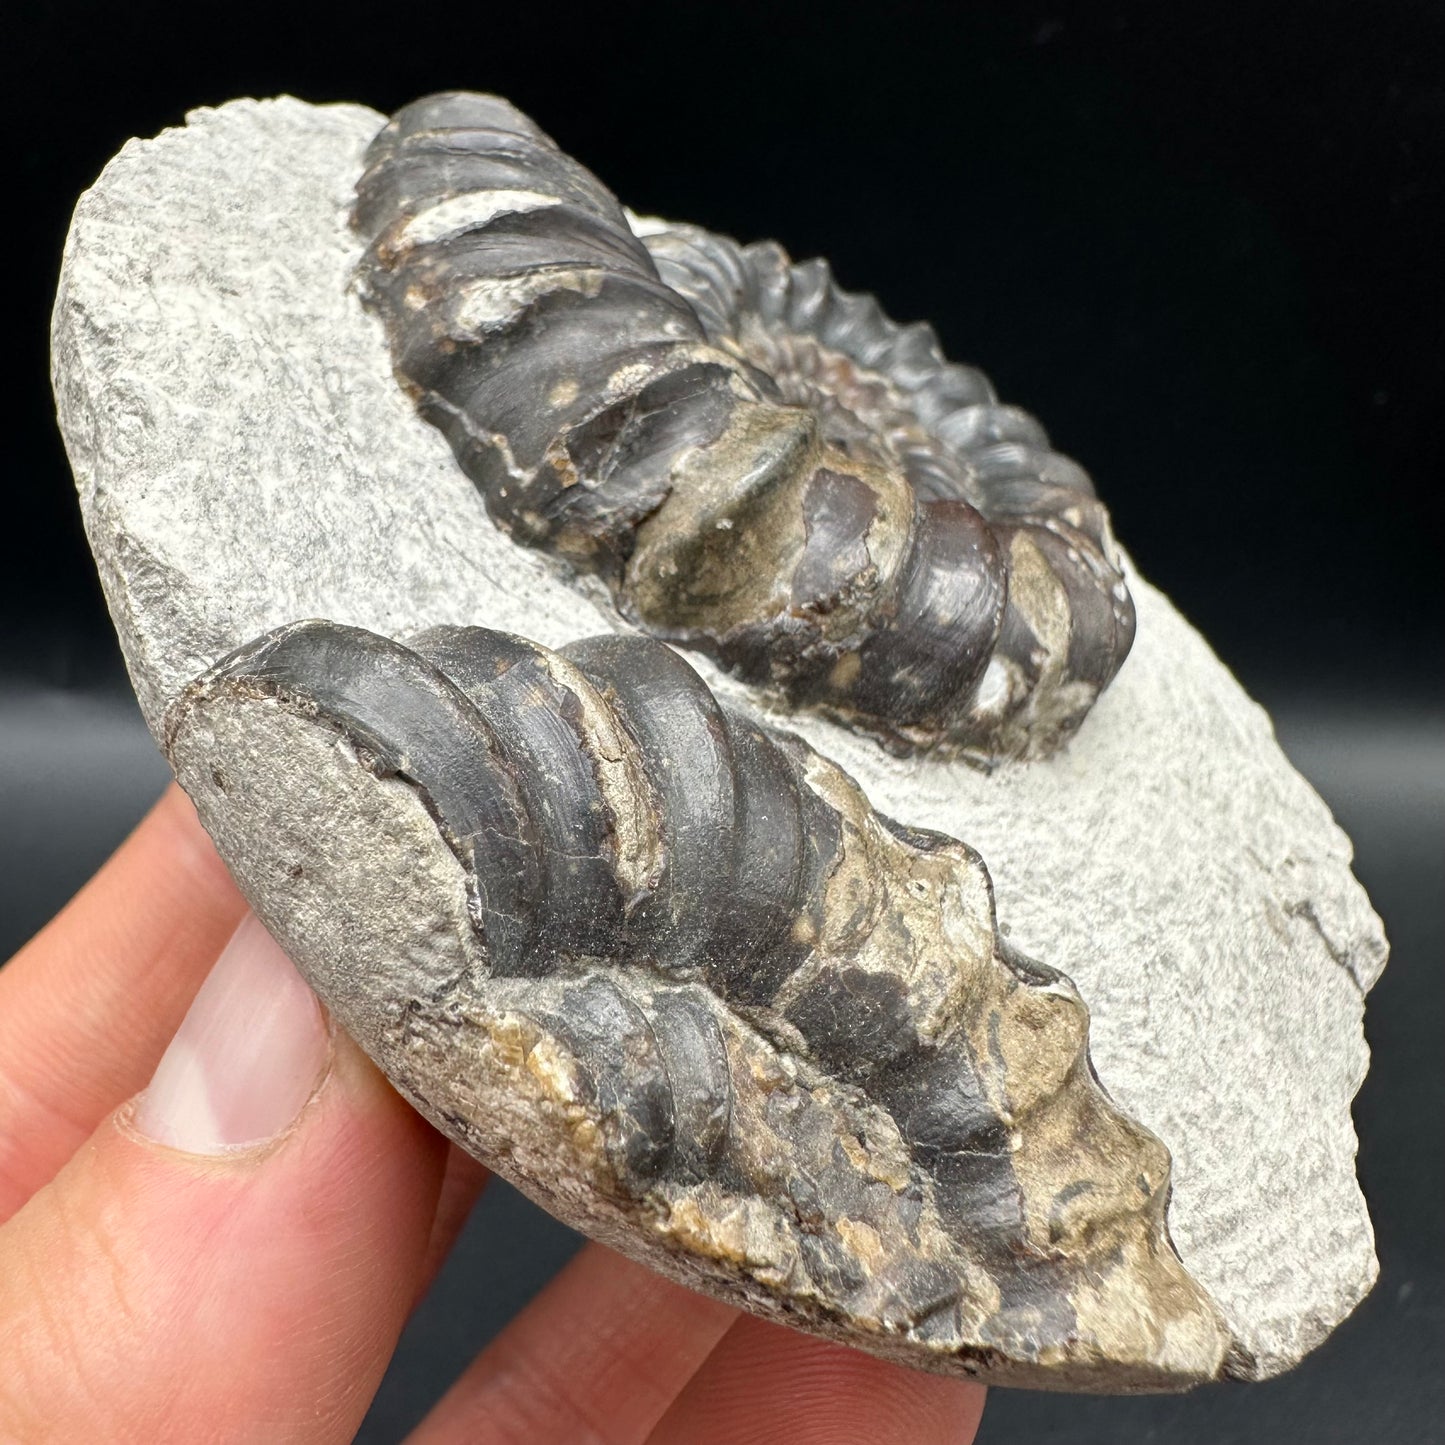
698,997
759,464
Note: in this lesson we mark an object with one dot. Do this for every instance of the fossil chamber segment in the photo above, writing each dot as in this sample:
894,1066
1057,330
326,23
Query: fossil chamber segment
669,972
759,464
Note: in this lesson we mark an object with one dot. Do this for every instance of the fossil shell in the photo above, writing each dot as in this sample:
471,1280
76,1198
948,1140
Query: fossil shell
245,458
760,464
703,1001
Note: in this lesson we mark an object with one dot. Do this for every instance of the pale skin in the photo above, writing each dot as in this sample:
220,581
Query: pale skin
152,1294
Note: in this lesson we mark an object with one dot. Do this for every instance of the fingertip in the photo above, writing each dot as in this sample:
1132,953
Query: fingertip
263,1285
765,1382
463,1180
87,1006
252,1048
175,812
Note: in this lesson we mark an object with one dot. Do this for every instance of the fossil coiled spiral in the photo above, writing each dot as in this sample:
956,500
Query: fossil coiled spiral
759,464
719,1009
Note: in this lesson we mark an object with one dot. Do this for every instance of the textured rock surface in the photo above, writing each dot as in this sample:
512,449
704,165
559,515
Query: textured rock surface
245,459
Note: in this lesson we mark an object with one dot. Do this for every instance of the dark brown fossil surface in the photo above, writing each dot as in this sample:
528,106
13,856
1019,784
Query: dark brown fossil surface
245,458
760,464
669,971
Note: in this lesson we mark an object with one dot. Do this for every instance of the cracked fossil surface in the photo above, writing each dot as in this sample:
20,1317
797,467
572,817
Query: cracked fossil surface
489,824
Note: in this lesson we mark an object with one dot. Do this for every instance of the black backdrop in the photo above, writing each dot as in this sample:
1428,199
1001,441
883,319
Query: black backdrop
1203,243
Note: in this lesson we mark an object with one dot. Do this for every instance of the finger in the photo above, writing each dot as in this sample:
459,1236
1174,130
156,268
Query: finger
232,1255
462,1183
765,1384
598,1356
86,1007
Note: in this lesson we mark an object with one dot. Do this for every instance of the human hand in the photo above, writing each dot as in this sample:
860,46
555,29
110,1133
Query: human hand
231,1254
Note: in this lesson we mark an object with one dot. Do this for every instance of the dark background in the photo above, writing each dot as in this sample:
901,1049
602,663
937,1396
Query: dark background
1203,243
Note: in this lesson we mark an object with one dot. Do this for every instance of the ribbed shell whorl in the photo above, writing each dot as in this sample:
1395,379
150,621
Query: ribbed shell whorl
774,1030
760,464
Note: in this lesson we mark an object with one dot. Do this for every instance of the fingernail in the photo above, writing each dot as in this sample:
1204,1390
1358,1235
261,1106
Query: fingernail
246,1058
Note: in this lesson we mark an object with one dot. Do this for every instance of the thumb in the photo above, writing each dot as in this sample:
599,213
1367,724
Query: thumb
233,1254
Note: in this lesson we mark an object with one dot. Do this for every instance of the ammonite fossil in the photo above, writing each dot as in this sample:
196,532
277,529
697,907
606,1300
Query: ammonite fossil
774,1036
668,969
759,464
